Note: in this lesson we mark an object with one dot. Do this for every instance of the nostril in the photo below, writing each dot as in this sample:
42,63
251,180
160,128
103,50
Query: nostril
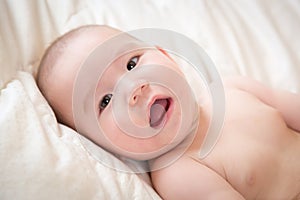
135,99
137,93
144,86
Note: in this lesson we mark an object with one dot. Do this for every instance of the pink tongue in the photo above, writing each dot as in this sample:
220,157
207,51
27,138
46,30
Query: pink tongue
157,112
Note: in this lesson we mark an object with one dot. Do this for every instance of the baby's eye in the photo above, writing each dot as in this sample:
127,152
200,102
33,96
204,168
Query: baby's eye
105,101
132,63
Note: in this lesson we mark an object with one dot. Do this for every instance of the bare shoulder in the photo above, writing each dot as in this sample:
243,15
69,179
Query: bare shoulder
251,86
187,178
286,102
240,82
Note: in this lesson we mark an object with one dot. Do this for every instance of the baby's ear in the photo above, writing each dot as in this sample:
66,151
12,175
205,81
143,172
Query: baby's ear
165,53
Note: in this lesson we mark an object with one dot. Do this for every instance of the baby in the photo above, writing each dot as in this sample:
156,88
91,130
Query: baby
256,157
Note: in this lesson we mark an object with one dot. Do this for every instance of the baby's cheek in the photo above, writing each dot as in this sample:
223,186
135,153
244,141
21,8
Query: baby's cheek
107,126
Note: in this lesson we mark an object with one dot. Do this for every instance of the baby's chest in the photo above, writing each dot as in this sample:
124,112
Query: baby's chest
253,124
249,151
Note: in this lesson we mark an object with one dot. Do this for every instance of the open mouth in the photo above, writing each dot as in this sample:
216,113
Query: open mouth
158,111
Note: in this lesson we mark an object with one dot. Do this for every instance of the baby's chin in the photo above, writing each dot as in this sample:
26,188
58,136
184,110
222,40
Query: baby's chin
174,144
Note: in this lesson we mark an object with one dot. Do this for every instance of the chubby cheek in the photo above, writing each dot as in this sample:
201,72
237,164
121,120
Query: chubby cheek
170,132
124,143
109,127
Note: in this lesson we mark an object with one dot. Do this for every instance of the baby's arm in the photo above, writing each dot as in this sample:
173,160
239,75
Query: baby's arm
189,179
287,103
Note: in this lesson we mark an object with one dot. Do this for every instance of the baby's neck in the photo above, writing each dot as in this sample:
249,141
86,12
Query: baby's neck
190,144
203,126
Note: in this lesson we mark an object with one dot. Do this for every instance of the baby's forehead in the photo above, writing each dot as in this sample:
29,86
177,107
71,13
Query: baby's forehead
108,47
80,44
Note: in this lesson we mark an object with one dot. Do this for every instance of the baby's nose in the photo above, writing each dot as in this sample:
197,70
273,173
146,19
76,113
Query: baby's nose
138,93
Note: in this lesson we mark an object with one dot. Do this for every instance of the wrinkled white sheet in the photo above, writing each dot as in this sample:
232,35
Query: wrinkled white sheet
40,159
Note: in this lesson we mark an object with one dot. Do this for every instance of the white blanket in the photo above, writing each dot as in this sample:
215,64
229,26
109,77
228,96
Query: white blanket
41,159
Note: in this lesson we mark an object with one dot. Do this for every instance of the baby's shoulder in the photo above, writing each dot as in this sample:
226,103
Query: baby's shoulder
187,178
180,174
236,82
243,83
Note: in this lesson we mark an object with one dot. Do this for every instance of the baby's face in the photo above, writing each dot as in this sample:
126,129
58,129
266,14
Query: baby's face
150,106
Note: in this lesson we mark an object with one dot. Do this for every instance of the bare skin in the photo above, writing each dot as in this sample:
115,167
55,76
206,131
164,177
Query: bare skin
256,157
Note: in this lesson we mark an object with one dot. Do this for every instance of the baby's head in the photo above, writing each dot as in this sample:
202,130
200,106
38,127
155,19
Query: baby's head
150,106
61,62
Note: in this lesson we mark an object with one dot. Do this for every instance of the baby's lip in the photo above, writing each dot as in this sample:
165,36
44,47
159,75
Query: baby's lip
158,110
